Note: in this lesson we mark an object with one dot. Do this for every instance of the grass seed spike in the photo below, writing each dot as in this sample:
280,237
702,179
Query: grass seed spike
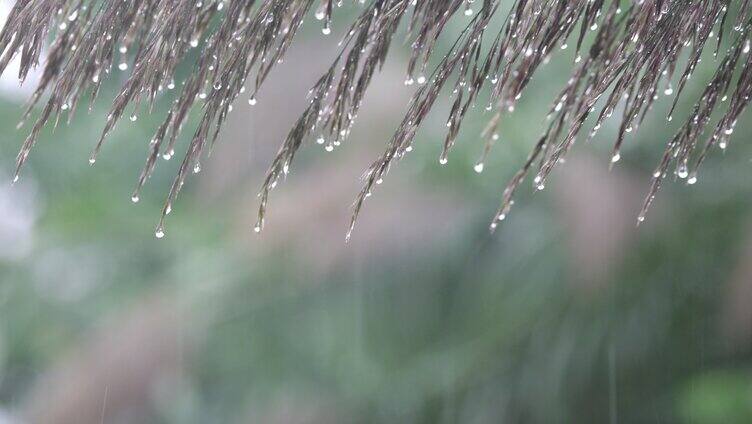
627,53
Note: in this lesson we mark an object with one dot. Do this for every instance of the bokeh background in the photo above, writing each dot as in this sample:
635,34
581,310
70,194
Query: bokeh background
568,313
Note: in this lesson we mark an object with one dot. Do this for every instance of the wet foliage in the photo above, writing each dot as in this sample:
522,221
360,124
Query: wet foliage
627,54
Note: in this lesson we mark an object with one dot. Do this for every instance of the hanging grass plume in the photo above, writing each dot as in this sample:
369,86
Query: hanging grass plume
626,53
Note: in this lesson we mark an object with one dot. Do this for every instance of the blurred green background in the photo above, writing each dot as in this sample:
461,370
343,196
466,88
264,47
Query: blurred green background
568,313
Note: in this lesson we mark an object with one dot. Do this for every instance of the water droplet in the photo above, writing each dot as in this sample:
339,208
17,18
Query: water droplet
615,158
159,233
257,228
134,118
478,167
135,198
443,161
252,101
326,30
123,66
